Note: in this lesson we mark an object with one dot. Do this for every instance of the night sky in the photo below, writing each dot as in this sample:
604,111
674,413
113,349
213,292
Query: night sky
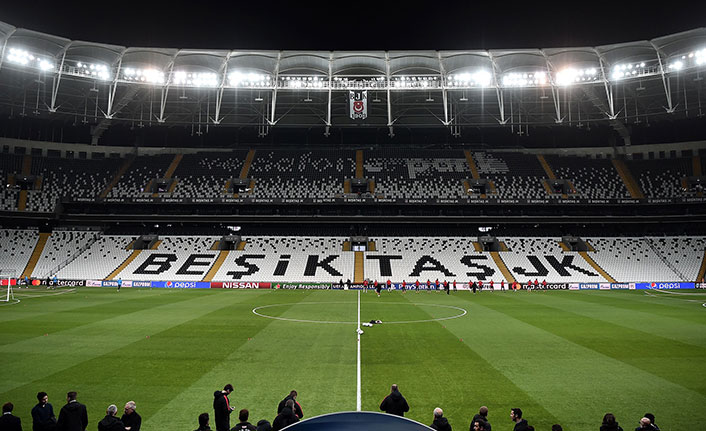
350,25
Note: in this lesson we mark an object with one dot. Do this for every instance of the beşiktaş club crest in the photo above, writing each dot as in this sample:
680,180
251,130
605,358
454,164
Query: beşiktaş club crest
358,104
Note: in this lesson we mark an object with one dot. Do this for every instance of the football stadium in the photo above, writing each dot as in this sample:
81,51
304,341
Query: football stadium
339,239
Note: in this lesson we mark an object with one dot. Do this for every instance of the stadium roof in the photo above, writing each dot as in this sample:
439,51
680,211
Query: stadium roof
614,83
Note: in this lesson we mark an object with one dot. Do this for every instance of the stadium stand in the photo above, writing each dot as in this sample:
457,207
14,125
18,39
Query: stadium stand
100,259
417,173
661,178
16,247
630,259
301,174
516,175
136,181
683,254
61,248
205,175
592,178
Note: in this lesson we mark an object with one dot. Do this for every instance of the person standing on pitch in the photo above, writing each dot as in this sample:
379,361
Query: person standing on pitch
131,419
8,421
395,403
43,418
222,408
297,407
73,416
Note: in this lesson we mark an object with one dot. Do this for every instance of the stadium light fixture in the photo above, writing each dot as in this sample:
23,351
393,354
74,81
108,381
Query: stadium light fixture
480,78
629,70
571,76
248,80
526,79
25,58
92,70
416,82
309,82
195,79
150,76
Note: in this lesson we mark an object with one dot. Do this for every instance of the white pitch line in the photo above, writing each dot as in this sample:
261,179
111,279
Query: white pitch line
358,387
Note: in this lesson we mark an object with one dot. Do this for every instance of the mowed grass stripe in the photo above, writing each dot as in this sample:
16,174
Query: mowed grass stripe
152,370
47,315
636,316
676,306
567,360
98,330
318,360
435,367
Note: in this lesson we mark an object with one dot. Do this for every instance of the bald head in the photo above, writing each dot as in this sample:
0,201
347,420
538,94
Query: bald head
438,412
393,388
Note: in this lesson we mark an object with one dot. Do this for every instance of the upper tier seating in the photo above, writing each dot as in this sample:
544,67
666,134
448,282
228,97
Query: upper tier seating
516,175
592,178
301,174
417,173
142,170
661,178
9,164
204,175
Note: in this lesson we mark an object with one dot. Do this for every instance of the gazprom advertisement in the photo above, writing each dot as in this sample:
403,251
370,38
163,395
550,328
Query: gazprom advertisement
665,285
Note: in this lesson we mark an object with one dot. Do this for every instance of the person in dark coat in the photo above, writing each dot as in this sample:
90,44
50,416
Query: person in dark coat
8,421
610,423
73,416
394,404
131,419
297,407
479,425
222,408
110,422
651,417
264,425
203,423
440,422
43,418
286,417
244,425
520,424
482,415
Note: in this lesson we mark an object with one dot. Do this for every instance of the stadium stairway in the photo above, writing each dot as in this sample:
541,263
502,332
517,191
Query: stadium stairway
118,175
222,256
359,267
36,255
474,172
597,267
501,266
359,164
628,179
702,269
696,168
26,170
550,174
124,265
170,171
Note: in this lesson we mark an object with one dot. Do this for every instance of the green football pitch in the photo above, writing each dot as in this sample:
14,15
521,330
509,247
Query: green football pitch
564,357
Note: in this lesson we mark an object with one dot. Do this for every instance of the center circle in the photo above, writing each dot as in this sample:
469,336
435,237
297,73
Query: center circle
460,312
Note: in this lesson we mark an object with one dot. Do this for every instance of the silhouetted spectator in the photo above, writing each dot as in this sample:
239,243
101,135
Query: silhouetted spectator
244,425
110,422
440,423
651,417
203,423
131,419
73,416
43,418
286,417
520,424
482,415
395,403
645,424
264,425
8,421
297,407
479,425
557,427
610,423
222,408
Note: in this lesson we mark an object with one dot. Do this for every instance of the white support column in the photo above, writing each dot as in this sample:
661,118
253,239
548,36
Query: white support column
498,90
57,79
391,132
219,94
114,86
608,86
165,90
444,94
272,121
665,81
555,89
330,79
